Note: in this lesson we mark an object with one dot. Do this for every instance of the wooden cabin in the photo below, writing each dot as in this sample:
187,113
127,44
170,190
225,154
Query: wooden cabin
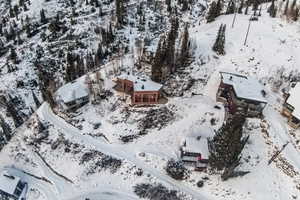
142,91
240,93
291,106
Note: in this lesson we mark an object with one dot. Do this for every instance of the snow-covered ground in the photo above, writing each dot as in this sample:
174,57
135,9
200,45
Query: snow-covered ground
272,44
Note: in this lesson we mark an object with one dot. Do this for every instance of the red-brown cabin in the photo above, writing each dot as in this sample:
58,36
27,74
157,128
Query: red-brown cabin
141,90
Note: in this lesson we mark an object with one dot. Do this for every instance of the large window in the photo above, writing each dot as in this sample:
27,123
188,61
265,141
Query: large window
289,107
138,98
295,120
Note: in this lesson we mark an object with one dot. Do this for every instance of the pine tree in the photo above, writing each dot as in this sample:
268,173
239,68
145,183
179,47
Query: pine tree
1,29
286,9
170,50
36,100
271,9
219,8
19,39
90,64
156,68
185,5
21,3
294,11
99,56
259,14
16,11
168,3
11,13
295,16
12,33
212,12
246,10
70,69
7,132
43,17
48,97
219,45
120,12
226,146
25,7
230,8
240,10
18,120
184,51
255,5
100,11
13,55
80,66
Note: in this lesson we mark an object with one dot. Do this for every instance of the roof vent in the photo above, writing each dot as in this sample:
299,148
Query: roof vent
143,87
128,73
230,78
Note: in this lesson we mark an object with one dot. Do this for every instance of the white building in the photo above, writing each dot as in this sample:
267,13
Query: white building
12,186
73,95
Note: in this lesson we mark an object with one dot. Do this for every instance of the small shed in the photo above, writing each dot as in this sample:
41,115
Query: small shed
194,148
12,186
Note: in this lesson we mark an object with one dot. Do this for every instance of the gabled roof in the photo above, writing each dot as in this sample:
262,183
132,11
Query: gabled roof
141,84
8,183
244,87
73,90
197,141
294,100
197,145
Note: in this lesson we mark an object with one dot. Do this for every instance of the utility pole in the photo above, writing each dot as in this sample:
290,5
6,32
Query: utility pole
248,30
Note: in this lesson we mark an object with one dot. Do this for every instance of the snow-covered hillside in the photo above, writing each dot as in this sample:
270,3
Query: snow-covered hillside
104,149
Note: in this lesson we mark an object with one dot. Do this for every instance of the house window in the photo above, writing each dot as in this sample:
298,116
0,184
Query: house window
289,107
138,98
295,120
19,189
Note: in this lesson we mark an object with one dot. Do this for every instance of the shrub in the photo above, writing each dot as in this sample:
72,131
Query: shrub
176,170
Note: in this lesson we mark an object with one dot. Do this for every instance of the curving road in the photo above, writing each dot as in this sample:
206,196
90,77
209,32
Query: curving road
115,150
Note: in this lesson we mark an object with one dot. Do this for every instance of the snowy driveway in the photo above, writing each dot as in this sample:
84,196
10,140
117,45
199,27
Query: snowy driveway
119,151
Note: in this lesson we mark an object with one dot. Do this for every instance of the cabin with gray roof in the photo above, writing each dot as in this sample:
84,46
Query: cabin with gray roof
194,148
73,94
241,93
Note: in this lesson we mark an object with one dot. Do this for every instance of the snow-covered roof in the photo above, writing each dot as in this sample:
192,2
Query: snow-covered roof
294,100
197,145
244,87
8,183
141,84
73,90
